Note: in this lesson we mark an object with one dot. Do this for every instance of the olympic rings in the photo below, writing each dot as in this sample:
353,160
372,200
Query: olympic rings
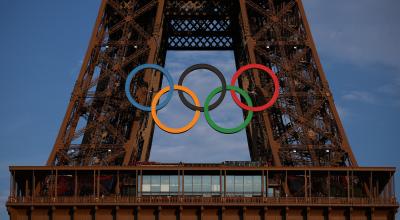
207,107
276,87
175,130
228,130
134,72
212,69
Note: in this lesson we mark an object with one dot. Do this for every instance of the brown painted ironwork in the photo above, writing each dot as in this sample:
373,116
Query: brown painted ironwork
298,147
301,129
102,189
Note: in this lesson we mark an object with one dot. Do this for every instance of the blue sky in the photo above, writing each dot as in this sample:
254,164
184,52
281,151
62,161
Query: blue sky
42,45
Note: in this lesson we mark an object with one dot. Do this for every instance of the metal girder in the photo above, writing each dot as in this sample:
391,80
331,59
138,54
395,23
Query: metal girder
301,129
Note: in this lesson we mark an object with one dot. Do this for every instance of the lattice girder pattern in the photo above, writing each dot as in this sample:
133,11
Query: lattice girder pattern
100,121
102,128
304,124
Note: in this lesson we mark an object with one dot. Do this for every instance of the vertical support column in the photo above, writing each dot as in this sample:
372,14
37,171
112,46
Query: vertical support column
12,184
116,212
98,184
141,183
117,187
286,212
222,211
266,183
310,184
179,183
286,187
158,213
305,184
394,184
137,184
350,214
348,185
371,189
308,210
137,213
220,183
183,183
352,186
180,210
76,184
262,184
56,186
391,187
94,183
250,45
224,183
201,213
328,212
329,184
33,185
265,212
371,213
53,213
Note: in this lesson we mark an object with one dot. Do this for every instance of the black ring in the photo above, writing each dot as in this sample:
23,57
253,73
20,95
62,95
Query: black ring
212,69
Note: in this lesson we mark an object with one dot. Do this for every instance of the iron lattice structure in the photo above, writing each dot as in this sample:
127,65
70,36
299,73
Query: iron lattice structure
302,166
102,128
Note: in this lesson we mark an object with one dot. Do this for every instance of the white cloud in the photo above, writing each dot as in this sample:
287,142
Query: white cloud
360,32
344,113
360,96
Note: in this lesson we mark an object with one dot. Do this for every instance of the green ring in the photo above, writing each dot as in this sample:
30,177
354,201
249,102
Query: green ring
228,130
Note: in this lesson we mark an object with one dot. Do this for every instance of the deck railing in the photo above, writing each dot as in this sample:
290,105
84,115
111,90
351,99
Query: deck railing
193,200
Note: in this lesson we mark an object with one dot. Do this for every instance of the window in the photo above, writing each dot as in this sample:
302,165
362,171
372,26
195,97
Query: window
146,184
188,184
164,184
155,184
196,183
257,185
206,184
243,185
238,184
215,184
248,184
173,184
230,184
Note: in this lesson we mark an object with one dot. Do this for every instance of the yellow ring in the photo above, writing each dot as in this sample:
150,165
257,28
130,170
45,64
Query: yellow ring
175,130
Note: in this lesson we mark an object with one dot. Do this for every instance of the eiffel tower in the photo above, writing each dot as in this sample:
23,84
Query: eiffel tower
302,166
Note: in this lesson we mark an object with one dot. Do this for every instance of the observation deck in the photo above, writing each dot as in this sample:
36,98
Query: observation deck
222,189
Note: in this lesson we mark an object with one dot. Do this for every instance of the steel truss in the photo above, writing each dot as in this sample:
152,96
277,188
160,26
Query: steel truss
102,128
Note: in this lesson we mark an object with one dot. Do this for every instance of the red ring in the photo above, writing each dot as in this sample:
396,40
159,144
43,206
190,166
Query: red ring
276,86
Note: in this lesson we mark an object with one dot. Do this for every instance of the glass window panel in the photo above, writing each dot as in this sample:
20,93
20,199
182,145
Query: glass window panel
248,184
146,183
230,184
215,184
257,184
164,183
146,180
239,184
173,183
155,184
188,184
196,183
206,184
146,187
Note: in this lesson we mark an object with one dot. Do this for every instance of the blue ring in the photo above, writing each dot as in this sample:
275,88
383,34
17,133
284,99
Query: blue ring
149,66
